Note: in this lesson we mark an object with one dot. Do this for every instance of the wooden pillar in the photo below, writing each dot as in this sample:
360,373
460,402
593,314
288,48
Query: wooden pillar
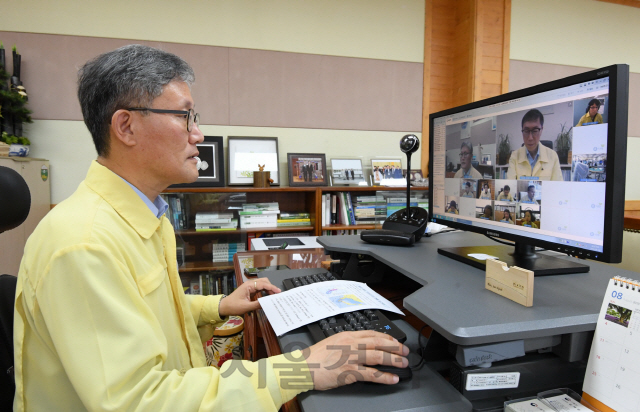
466,56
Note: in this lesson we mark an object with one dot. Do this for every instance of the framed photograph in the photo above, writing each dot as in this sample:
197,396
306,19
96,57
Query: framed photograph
211,170
246,154
347,172
307,169
386,169
416,174
486,159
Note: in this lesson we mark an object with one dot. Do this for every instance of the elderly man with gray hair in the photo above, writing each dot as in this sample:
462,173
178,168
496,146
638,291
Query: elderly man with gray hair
102,322
466,170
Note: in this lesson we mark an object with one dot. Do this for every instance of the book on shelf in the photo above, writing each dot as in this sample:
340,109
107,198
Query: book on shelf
290,234
398,203
370,220
177,211
307,220
247,224
293,224
349,205
231,251
215,229
211,283
327,214
258,212
213,221
196,288
302,215
233,224
206,217
259,218
370,200
260,206
227,246
259,225
341,232
323,202
334,209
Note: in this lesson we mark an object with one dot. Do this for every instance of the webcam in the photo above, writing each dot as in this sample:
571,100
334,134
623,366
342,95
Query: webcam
409,143
405,226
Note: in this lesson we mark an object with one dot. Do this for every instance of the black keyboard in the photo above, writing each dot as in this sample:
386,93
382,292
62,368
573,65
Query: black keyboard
357,320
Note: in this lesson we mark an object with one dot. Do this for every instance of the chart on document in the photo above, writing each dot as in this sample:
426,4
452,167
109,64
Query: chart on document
612,378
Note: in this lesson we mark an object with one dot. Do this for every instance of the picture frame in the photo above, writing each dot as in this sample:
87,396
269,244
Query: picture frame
386,169
486,159
245,153
211,172
415,174
345,172
307,169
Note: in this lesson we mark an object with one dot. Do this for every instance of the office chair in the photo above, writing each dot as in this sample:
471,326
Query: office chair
14,210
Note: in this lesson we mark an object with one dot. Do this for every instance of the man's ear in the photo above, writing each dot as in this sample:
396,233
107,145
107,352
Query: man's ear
121,127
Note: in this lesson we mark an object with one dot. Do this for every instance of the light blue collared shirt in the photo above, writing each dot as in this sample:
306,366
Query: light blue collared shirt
533,160
158,207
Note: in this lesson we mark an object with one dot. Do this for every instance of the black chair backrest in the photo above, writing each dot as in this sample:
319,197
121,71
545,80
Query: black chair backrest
16,199
15,204
7,298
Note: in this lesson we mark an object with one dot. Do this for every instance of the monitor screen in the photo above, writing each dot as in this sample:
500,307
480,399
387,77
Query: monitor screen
542,166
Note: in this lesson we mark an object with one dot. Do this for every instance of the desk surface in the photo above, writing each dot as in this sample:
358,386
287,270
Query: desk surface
454,301
426,391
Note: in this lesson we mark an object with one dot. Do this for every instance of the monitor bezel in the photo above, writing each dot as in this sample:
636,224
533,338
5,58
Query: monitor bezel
616,162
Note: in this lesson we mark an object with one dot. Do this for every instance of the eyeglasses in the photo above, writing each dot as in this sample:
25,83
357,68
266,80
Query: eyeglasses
465,154
593,107
534,132
191,116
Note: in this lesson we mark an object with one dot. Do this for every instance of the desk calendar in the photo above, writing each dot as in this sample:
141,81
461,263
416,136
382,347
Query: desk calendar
612,379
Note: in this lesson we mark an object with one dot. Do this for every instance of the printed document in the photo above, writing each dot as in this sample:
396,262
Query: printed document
300,306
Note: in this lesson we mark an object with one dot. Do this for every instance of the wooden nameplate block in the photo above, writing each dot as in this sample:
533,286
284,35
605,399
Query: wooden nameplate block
513,283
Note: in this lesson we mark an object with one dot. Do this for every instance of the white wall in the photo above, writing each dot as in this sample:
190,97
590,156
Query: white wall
584,33
377,29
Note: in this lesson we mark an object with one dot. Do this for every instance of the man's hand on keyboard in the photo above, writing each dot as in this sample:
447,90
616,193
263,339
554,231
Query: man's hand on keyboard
339,360
239,302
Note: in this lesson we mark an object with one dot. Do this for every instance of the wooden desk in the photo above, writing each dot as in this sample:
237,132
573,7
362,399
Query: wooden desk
259,338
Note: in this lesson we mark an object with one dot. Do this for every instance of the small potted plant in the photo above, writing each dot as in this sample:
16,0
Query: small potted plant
504,150
563,144
13,110
18,146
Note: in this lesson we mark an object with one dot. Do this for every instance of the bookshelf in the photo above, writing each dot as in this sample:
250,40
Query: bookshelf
197,245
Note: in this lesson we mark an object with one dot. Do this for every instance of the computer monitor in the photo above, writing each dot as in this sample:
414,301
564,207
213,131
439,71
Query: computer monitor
571,200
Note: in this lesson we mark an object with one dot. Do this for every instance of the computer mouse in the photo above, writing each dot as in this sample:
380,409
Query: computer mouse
403,373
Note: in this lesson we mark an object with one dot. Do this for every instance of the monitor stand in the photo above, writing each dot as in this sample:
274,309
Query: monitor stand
522,256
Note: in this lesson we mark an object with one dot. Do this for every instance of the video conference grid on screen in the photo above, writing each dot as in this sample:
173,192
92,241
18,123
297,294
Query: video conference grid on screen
560,199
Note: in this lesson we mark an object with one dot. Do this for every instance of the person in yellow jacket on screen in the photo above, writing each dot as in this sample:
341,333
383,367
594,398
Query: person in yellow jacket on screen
101,319
529,220
591,116
466,169
534,159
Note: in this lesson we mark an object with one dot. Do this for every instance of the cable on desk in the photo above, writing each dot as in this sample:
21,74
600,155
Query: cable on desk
422,349
442,231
